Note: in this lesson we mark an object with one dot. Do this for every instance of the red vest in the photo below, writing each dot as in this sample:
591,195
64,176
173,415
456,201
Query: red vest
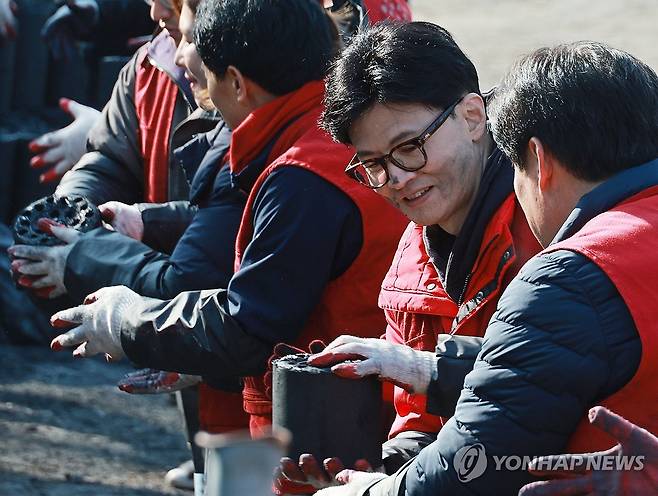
349,302
622,242
155,100
418,308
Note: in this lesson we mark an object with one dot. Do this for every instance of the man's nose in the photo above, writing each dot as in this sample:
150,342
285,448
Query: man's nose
178,57
398,178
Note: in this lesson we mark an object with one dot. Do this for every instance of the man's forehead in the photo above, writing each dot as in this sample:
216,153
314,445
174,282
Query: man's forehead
383,126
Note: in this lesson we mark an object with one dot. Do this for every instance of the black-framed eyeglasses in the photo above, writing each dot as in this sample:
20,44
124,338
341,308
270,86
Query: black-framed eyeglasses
409,155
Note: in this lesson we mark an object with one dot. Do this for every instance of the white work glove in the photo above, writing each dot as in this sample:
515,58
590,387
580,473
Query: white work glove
153,381
63,148
102,318
8,23
403,366
41,268
123,218
354,482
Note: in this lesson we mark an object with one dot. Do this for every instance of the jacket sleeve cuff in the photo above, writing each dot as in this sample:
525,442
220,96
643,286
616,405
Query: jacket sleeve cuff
455,358
165,223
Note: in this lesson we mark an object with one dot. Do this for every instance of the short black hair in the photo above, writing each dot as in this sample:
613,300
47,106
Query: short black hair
279,44
595,109
393,63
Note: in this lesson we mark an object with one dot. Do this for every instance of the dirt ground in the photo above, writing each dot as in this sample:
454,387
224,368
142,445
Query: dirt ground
65,429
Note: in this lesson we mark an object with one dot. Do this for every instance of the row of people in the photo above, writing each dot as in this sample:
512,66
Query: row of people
489,348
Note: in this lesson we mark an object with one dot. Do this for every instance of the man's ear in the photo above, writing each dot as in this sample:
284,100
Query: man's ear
544,163
238,83
473,111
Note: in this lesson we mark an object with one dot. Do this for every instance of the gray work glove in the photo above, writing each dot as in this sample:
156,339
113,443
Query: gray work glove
100,321
41,268
123,218
63,148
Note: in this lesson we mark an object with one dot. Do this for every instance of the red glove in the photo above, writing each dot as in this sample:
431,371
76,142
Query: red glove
282,350
633,441
307,476
153,381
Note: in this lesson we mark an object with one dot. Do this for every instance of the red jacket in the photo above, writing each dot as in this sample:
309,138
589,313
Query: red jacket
418,308
622,242
349,303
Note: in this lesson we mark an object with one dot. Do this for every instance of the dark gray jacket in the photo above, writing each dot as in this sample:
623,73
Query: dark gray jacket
113,167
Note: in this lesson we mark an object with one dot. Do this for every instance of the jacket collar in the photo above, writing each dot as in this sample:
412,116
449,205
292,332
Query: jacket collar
606,195
266,122
161,52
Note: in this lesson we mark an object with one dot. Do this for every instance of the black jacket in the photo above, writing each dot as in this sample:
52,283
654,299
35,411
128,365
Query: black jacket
200,235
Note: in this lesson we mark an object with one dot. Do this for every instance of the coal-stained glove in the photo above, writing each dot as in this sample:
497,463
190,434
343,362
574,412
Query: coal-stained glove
63,148
74,20
354,482
8,23
153,381
582,480
283,350
403,366
100,321
123,218
41,268
307,475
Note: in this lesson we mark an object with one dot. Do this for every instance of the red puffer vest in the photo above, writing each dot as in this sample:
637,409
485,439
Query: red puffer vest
349,303
155,100
418,308
622,242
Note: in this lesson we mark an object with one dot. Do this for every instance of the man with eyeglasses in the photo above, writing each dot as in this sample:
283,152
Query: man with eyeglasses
419,126
577,326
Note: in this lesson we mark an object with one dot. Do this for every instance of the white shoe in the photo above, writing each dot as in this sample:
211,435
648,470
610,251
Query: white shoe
181,477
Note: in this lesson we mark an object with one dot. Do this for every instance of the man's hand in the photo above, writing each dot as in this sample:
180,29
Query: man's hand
408,368
101,320
283,350
74,20
63,148
8,23
353,482
633,441
123,218
307,476
41,268
153,381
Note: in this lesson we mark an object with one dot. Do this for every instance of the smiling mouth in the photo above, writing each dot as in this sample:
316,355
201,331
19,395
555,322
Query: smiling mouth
417,195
